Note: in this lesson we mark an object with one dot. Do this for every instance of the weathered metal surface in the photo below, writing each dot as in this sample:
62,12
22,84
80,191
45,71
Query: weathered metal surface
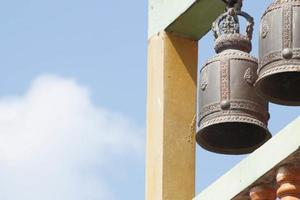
232,118
279,53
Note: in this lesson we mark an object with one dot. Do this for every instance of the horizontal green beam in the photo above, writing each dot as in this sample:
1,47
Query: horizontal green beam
258,167
188,18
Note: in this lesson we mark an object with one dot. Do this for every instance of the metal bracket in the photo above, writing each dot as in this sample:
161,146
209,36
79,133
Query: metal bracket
237,4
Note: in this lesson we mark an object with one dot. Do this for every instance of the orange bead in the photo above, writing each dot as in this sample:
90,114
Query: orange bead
263,193
288,180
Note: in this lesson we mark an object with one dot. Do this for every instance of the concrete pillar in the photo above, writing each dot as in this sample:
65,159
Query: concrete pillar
288,180
263,192
171,106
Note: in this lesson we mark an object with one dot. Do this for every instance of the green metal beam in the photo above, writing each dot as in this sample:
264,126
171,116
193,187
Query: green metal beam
258,167
189,18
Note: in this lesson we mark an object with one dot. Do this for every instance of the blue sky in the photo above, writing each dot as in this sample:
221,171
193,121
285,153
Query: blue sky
72,100
78,45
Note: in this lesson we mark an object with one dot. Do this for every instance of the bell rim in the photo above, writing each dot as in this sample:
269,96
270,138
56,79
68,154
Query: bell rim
269,98
233,151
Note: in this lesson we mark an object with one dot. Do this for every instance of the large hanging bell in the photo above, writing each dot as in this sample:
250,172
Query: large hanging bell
232,118
279,53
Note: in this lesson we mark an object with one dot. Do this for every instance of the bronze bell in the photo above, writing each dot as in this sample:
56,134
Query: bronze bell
232,118
279,53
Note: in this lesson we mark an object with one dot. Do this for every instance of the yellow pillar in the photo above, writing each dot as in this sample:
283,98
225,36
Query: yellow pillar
171,106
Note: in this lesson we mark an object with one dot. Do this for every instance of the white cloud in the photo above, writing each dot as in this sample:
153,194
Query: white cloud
54,143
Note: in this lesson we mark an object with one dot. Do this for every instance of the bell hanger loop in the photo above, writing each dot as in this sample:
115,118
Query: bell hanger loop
226,28
235,4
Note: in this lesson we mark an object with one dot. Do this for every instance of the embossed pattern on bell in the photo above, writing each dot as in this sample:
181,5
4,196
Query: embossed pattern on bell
250,76
232,105
279,53
231,117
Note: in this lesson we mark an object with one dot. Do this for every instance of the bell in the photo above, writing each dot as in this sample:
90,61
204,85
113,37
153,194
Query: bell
279,53
231,117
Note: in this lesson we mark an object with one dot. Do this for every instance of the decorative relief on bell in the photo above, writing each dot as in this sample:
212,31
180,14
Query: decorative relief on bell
250,76
225,79
231,117
279,58
225,104
287,53
204,80
264,30
227,31
230,24
287,26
